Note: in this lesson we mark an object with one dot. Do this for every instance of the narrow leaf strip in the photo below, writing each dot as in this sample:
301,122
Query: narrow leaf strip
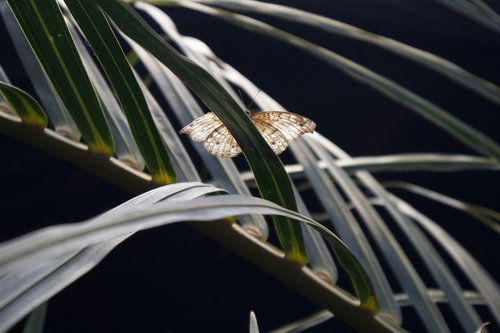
24,105
254,326
320,258
418,162
181,161
479,12
401,163
270,175
126,148
488,217
36,320
98,32
46,31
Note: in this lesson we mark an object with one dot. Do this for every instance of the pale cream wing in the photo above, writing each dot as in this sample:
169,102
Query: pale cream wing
221,143
200,128
291,125
271,134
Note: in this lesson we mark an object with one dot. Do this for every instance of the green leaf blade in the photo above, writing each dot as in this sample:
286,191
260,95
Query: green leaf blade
59,117
36,320
24,105
107,49
44,27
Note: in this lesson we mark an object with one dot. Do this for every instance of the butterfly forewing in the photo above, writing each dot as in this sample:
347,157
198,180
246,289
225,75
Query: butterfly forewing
291,125
274,138
277,128
200,128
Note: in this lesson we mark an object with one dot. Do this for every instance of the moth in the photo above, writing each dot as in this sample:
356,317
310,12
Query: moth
277,127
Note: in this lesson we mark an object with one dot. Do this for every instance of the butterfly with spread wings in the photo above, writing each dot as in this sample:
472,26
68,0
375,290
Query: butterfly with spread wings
277,128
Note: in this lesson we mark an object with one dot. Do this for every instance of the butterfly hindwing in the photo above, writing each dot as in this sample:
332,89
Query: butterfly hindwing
221,143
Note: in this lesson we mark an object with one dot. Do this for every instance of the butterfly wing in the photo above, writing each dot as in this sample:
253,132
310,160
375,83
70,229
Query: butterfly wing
221,143
280,127
214,135
200,128
291,125
274,138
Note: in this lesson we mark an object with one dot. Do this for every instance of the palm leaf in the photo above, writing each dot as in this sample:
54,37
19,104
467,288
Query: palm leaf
346,191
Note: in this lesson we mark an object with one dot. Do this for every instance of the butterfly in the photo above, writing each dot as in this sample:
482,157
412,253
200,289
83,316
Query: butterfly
277,128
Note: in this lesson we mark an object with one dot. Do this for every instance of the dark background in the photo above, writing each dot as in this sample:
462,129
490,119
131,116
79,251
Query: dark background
174,279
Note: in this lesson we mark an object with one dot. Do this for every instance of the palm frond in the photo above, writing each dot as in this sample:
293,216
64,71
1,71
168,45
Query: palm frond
121,118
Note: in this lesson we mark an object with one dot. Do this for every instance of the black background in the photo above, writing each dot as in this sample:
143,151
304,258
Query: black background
174,279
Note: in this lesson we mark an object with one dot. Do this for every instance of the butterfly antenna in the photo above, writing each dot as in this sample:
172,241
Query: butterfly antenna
253,100
247,110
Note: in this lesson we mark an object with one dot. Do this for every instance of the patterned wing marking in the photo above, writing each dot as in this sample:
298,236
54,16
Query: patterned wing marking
221,143
200,128
273,136
291,125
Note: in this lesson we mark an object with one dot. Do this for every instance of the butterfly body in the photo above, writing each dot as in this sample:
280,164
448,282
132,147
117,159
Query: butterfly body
277,128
